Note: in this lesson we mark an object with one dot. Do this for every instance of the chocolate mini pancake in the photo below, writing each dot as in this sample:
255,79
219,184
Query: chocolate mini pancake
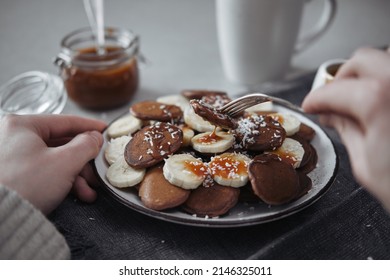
247,194
211,201
273,180
259,133
152,144
312,161
211,114
305,184
198,94
158,194
153,110
306,132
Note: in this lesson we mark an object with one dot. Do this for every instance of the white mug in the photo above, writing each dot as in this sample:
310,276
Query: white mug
326,72
257,38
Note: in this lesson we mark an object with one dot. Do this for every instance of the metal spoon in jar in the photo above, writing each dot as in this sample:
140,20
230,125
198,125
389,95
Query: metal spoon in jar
95,13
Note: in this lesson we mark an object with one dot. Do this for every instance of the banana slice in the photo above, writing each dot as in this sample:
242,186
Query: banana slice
185,171
116,148
290,123
262,107
212,142
291,151
121,175
188,133
230,169
124,126
177,100
196,122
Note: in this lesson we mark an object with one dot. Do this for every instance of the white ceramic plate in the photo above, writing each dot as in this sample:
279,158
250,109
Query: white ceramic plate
243,214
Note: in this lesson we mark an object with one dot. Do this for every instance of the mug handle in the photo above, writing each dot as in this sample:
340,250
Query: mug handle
322,25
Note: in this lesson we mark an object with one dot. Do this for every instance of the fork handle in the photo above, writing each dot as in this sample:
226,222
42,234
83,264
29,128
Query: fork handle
287,104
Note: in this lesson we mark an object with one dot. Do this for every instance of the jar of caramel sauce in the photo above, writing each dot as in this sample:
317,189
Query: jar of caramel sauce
99,79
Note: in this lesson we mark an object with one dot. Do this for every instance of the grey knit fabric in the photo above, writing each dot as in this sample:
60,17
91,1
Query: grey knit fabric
25,233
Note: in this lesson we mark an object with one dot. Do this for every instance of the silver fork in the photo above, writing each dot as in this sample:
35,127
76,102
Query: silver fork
238,105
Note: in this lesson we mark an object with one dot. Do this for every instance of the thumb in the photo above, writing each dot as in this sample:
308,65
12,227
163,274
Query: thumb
80,150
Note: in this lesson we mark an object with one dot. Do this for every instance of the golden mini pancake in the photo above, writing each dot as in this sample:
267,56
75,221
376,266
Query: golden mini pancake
158,194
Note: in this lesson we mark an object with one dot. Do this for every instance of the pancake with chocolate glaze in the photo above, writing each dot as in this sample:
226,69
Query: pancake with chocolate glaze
259,133
273,180
311,162
214,200
152,144
199,93
306,132
153,110
305,184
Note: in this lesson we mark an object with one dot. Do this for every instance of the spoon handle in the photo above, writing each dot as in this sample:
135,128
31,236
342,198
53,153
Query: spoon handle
95,13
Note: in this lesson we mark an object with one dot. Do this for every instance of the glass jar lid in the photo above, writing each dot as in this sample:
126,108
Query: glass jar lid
33,92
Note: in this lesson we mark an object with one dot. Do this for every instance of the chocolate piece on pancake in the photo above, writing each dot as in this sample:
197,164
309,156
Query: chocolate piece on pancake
212,201
198,94
211,114
306,132
153,110
273,180
259,133
158,194
152,144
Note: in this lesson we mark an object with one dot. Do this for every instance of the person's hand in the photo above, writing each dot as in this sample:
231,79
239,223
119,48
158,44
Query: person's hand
44,157
357,105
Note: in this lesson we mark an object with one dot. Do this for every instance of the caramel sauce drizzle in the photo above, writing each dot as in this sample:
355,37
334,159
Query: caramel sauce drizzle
198,168
210,138
286,156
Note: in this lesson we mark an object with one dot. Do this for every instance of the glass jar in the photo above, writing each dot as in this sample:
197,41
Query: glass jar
33,92
99,81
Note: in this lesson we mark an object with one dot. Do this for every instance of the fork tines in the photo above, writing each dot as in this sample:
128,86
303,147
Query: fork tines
237,106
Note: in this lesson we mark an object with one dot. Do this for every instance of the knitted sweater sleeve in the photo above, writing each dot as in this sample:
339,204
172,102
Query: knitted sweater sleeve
25,233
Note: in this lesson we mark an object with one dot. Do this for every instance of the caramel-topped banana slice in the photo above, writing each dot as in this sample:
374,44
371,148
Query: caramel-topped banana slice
230,169
291,152
290,123
212,142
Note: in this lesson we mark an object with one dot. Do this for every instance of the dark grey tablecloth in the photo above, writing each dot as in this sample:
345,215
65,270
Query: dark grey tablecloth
346,223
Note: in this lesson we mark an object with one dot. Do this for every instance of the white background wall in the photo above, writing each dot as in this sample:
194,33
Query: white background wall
177,36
